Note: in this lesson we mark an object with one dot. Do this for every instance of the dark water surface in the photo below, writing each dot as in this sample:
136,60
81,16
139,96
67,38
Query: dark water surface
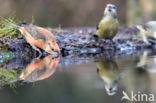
93,81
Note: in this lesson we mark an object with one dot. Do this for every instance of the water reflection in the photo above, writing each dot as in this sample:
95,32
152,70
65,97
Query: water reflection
39,69
82,83
134,73
109,72
148,62
141,79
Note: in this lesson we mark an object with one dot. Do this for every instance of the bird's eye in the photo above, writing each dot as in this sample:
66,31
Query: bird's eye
114,7
109,7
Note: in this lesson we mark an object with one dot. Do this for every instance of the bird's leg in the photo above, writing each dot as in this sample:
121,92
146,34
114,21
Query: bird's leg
96,37
34,47
145,40
109,41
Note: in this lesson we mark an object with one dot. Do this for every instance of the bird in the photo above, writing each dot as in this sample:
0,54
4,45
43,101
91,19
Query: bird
109,25
38,37
39,69
146,31
147,62
109,72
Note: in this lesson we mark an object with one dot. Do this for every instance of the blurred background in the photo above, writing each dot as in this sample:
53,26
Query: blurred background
73,13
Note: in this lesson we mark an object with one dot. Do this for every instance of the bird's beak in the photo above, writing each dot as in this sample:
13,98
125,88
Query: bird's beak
57,48
58,52
109,9
55,54
13,25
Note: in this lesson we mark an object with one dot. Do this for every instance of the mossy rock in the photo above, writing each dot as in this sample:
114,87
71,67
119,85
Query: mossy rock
7,30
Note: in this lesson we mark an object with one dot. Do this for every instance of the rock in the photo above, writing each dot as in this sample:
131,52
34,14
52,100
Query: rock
81,41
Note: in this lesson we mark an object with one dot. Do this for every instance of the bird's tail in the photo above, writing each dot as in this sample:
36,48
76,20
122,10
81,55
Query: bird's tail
13,25
140,28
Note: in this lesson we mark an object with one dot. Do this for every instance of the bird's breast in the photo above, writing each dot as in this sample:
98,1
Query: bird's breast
33,41
107,28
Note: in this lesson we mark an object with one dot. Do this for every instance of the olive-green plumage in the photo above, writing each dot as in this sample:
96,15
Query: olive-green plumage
107,29
109,72
108,69
108,26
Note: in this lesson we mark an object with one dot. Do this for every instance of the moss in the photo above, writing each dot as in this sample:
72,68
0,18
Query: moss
7,30
6,76
3,48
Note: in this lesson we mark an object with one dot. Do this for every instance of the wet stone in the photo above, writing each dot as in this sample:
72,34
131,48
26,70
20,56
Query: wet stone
81,41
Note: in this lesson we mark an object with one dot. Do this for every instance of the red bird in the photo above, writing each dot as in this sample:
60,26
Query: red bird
38,37
39,69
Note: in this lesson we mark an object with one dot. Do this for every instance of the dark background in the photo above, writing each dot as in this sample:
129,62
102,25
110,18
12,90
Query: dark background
69,13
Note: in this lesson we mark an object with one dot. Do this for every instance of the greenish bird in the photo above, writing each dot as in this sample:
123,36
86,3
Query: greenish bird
147,31
110,74
109,25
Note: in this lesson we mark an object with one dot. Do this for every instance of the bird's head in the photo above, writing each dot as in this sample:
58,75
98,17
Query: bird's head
53,45
111,89
110,10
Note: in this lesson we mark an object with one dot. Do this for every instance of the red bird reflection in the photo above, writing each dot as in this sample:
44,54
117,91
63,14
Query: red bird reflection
39,69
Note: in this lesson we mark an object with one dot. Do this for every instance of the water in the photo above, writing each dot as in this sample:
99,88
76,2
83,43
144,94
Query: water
80,80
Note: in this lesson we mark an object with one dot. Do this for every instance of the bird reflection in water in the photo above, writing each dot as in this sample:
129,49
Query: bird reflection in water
39,69
140,79
110,74
147,62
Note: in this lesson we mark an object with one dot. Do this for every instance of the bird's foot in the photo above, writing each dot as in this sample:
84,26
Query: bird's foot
55,54
40,54
109,41
96,37
38,50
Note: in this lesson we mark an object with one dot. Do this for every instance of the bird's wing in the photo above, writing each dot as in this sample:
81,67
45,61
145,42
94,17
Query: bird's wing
44,33
39,33
97,26
32,30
